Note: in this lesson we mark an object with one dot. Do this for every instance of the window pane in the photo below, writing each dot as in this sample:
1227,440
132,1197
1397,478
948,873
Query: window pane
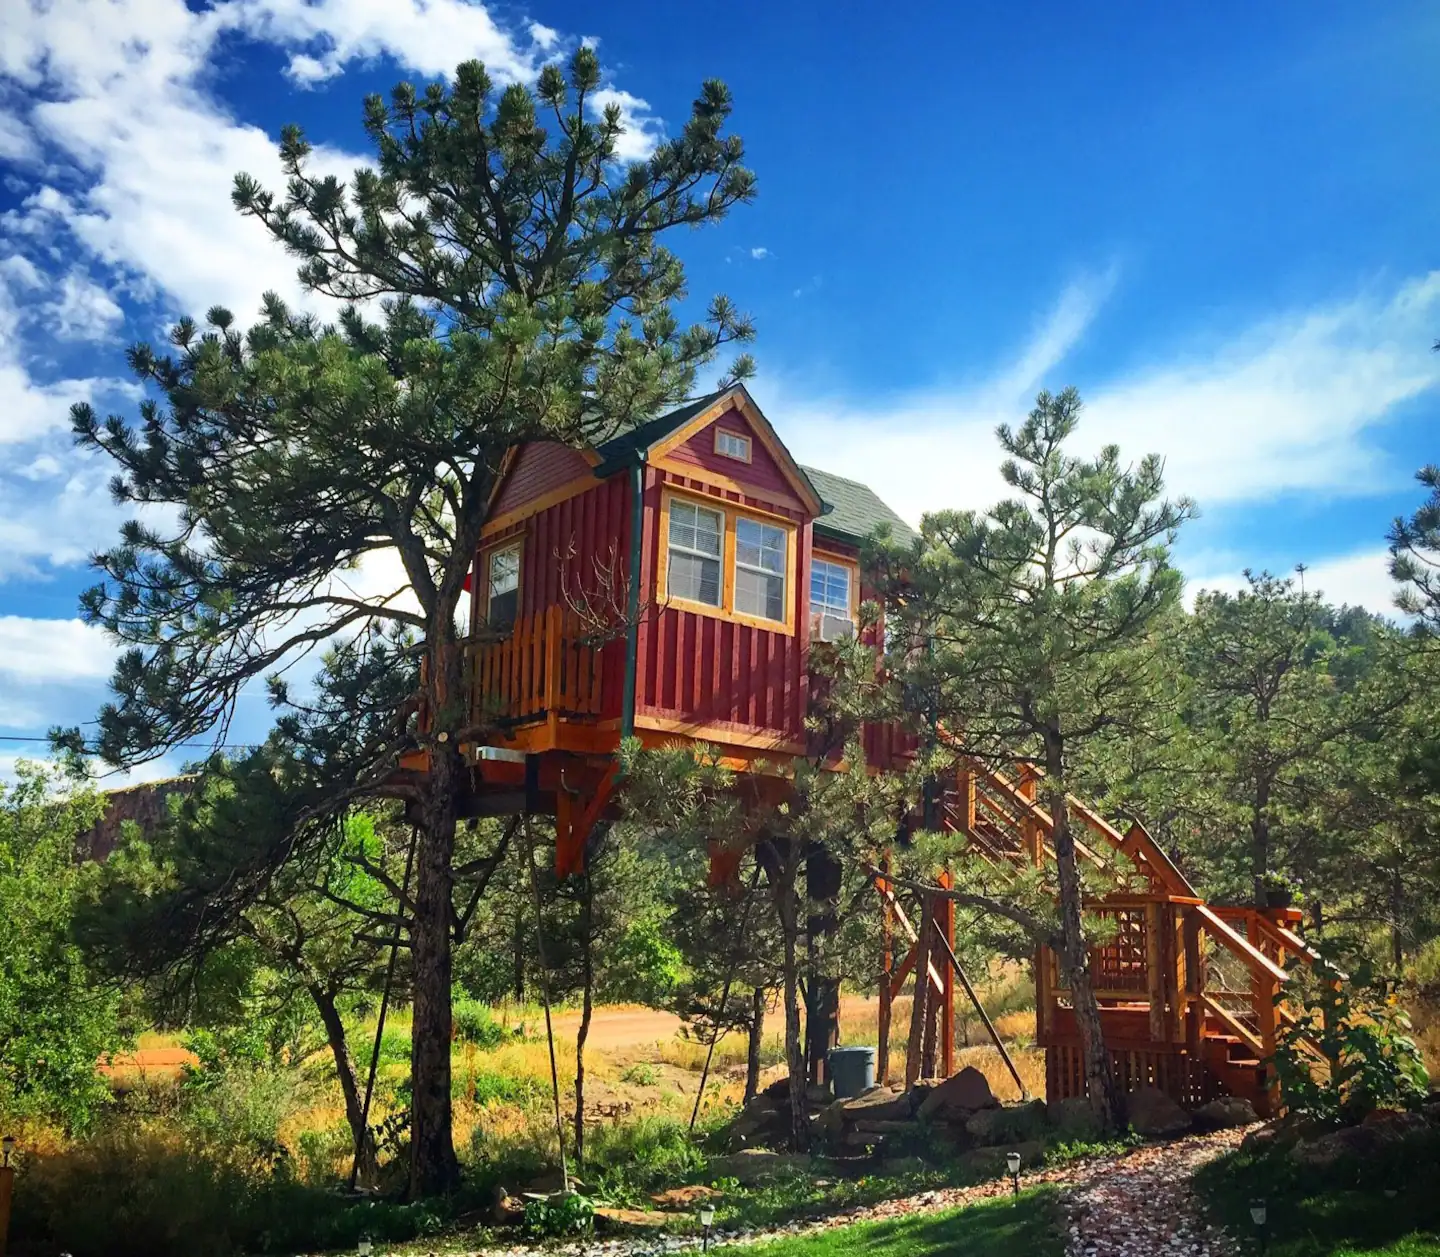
504,571
695,578
501,613
760,545
760,594
829,589
694,528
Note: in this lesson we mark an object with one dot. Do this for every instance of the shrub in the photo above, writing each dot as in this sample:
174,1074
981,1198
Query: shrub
1372,1061
475,1023
559,1216
642,1074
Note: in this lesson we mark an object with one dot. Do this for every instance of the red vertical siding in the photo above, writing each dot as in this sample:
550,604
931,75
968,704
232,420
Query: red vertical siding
564,550
762,472
703,669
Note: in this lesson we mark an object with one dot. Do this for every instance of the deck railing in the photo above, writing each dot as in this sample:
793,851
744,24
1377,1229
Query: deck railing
547,667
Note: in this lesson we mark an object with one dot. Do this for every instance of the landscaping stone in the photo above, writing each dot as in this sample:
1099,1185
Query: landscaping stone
684,1197
898,1167
1073,1118
964,1093
1008,1124
1154,1114
614,1220
876,1126
994,1160
1225,1112
882,1103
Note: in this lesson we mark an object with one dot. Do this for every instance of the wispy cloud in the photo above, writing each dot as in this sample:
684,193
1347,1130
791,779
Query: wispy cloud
759,252
1360,578
643,131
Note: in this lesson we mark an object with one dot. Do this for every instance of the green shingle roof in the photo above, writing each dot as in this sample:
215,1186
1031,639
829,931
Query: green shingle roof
618,449
855,510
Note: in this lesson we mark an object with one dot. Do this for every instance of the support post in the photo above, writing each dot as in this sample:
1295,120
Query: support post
921,1001
1194,985
984,1017
1154,973
887,964
946,925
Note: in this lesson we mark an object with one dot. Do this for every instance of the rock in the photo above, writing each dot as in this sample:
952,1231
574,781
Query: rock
612,1219
1154,1114
900,1167
992,1161
1325,1150
832,1116
1395,1123
1074,1118
684,1197
505,1209
879,1103
1224,1113
763,1113
861,1139
549,1183
752,1165
1008,1124
965,1092
818,1094
873,1126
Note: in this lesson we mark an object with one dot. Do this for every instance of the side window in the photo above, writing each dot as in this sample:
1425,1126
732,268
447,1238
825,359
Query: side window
502,587
695,541
830,604
760,569
732,445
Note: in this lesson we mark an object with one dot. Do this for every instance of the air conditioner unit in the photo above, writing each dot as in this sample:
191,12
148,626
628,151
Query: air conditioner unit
834,628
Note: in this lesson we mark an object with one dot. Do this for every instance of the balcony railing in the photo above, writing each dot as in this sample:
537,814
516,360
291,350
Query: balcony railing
546,668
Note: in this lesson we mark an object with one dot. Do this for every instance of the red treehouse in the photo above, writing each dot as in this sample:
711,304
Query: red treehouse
667,585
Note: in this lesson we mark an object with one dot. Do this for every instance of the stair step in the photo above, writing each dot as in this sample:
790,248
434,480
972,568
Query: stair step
1244,1062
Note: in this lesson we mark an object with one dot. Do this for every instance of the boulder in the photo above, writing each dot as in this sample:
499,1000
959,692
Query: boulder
964,1093
878,1126
1155,1115
1074,1119
900,1167
1395,1123
506,1210
684,1197
1009,1124
753,1165
879,1103
762,1114
1224,1113
612,1220
1325,1150
991,1161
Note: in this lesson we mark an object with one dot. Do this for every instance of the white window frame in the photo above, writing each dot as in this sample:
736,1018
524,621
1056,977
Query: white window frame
763,571
516,549
744,453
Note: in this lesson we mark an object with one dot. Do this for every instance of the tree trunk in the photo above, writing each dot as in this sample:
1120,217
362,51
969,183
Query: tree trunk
1260,841
587,1008
1397,933
517,944
362,1143
756,1038
1100,1086
789,915
434,1168
920,1002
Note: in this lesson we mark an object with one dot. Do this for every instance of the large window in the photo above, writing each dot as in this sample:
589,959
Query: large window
760,556
728,561
502,587
696,543
830,596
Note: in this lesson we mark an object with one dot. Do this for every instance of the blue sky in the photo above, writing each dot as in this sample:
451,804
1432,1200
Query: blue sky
1221,221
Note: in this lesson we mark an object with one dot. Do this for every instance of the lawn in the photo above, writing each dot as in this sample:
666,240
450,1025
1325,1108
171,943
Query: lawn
1386,1204
1025,1227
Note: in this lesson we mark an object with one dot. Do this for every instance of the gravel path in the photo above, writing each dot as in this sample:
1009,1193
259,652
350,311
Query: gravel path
1144,1204
1138,1204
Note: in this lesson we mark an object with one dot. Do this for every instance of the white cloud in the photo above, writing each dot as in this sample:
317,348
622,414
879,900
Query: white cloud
16,143
1288,404
544,37
643,131
53,652
1358,579
82,310
759,252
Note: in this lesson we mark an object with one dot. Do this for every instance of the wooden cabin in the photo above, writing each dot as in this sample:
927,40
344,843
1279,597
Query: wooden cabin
670,583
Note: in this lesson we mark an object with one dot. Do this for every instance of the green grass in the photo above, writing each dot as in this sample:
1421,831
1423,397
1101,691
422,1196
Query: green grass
1027,1227
1340,1211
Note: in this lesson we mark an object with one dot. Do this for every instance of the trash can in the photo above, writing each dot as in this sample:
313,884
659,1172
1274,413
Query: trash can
852,1070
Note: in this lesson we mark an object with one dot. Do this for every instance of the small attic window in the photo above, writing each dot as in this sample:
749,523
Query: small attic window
732,445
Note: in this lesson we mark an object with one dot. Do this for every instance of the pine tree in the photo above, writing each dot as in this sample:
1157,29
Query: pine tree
1415,556
1033,625
505,279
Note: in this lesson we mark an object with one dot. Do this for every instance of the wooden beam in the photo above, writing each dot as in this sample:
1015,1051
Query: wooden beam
984,1016
1258,961
1237,1028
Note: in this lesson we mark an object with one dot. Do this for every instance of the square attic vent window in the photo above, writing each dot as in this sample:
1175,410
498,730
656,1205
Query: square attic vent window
732,445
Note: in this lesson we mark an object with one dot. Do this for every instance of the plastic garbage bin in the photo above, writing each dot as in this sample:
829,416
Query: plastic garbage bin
852,1070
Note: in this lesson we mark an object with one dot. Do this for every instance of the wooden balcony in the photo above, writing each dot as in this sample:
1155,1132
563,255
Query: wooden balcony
548,670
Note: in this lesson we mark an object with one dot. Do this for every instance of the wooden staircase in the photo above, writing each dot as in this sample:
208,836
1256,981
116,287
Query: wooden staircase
1188,990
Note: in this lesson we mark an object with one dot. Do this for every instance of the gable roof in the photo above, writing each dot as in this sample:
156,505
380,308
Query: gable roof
656,436
855,510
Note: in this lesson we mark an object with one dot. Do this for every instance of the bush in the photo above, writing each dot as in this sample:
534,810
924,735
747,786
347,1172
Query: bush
129,1193
475,1023
1373,1061
641,1155
559,1216
641,1075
